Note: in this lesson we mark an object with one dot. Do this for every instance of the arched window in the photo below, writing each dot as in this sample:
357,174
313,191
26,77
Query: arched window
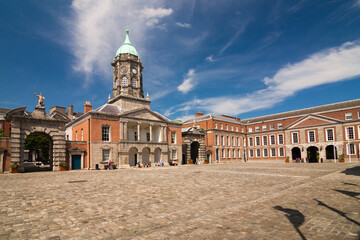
133,82
124,82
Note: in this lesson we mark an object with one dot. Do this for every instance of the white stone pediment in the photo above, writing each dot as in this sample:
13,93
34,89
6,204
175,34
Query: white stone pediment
311,120
145,114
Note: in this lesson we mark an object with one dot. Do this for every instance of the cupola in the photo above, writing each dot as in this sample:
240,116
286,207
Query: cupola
126,47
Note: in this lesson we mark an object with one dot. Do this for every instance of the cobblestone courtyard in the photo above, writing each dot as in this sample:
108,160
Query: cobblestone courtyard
224,201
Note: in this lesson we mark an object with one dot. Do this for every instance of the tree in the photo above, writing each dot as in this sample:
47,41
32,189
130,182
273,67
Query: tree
38,142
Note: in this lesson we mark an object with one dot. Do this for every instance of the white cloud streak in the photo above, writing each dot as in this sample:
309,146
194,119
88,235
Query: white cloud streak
183,25
97,30
328,66
188,83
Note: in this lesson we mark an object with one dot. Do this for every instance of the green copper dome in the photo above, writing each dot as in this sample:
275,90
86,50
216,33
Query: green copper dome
126,47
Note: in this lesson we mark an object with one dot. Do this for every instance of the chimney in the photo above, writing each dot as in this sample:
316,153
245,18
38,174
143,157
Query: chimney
197,114
87,107
70,111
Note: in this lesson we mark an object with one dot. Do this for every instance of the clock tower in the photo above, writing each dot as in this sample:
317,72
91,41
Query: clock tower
127,89
127,71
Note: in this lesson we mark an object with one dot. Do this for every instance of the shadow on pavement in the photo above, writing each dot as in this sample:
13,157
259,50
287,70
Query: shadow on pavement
352,184
348,193
352,171
295,217
337,211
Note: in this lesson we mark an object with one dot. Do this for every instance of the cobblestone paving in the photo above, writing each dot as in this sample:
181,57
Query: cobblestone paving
223,201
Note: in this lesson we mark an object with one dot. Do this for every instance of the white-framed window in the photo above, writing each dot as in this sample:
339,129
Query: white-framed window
358,114
280,125
173,154
257,141
216,140
124,81
264,127
105,133
349,133
227,127
258,152
272,126
238,141
250,129
257,128
148,137
233,141
133,82
237,129
348,116
273,152
82,135
222,141
234,155
359,132
350,149
281,152
330,134
295,137
105,155
251,142
251,153
215,125
173,137
272,140
228,140
311,136
265,152
242,130
232,128
76,136
280,139
221,126
228,153
222,153
265,140
239,153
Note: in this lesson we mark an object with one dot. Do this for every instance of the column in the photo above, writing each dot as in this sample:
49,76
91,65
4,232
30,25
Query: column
138,132
121,130
125,130
161,134
2,153
151,135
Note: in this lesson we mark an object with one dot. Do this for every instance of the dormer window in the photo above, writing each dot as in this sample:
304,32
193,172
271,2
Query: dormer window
348,116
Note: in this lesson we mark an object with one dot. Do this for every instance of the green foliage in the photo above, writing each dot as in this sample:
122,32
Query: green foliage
191,161
62,164
2,134
36,141
14,165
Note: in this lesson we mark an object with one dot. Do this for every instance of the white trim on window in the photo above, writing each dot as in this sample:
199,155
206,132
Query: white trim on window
297,137
280,139
348,116
272,152
258,152
349,134
329,133
311,136
251,141
350,149
265,143
272,140
251,153
281,152
266,152
257,141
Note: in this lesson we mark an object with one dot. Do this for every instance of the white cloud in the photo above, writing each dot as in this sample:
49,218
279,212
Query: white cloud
188,83
183,25
97,30
328,66
210,58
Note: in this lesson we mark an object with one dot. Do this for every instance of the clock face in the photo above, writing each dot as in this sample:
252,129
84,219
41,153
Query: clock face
124,69
134,71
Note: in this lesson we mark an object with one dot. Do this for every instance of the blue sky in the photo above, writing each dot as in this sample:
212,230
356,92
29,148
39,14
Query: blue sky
243,58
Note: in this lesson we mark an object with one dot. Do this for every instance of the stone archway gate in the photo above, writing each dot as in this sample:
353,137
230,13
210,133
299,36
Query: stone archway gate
194,134
24,123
